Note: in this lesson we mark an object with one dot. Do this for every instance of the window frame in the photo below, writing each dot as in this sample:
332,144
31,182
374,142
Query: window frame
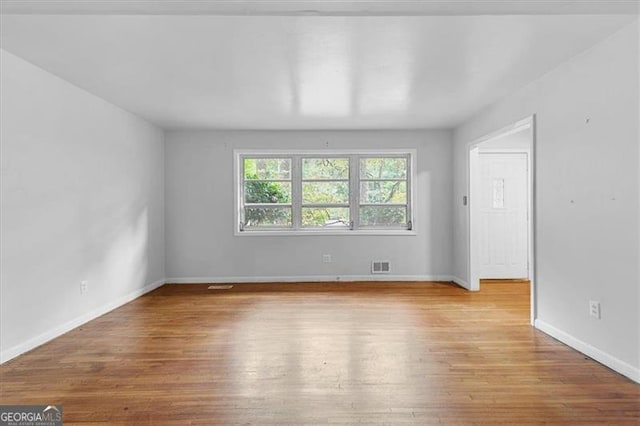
354,182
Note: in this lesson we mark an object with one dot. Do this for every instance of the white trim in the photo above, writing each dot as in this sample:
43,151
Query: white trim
319,232
34,342
599,355
473,160
533,273
324,152
462,283
307,278
638,227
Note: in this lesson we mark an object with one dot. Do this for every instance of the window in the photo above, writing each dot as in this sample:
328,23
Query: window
383,191
267,193
324,192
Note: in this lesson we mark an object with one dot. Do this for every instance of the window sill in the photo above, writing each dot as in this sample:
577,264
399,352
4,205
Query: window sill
367,232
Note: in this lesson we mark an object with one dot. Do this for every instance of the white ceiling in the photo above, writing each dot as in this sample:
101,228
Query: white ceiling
302,72
322,7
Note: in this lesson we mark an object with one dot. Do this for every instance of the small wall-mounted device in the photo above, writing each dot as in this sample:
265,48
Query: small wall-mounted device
594,309
464,200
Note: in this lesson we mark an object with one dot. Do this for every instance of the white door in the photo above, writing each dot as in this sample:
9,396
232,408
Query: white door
503,203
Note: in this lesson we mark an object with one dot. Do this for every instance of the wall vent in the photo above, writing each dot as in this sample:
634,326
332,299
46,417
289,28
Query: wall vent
380,267
220,287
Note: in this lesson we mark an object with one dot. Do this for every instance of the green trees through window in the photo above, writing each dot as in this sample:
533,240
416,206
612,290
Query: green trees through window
325,192
335,192
267,192
383,191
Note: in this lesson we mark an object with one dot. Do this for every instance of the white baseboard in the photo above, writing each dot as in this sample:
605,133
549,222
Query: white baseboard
462,283
602,357
43,338
306,278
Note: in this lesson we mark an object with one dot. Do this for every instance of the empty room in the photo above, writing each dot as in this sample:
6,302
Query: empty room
319,212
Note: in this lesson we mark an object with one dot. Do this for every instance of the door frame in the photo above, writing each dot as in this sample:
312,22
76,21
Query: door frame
473,216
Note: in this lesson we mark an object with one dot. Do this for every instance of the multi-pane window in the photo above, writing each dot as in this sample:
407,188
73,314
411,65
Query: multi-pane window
267,192
324,191
383,191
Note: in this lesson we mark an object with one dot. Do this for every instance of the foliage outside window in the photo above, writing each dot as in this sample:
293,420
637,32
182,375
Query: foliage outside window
383,191
267,192
319,192
325,192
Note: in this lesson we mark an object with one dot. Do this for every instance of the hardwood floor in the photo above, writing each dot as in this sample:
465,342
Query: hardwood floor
413,353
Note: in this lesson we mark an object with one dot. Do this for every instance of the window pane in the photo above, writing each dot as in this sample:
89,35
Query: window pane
383,215
337,217
383,192
325,168
325,192
267,192
383,168
267,216
267,168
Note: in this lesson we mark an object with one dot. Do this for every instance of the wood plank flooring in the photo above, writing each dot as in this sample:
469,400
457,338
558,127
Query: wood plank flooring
343,353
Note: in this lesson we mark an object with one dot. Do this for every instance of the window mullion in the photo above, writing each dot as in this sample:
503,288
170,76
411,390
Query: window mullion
296,192
354,190
241,191
409,177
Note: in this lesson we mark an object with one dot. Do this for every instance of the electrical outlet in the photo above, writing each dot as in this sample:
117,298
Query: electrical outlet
84,287
594,309
326,258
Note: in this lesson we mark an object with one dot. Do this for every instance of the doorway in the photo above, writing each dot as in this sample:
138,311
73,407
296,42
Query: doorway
501,188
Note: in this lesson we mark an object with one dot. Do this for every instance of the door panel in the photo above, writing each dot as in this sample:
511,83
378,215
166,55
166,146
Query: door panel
503,206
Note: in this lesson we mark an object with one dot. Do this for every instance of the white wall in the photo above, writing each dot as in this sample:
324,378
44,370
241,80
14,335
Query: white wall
200,224
638,139
82,199
587,192
520,140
